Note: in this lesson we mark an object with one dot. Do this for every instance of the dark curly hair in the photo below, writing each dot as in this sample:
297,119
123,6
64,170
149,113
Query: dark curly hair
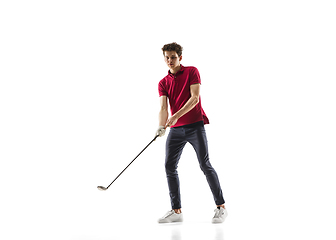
173,47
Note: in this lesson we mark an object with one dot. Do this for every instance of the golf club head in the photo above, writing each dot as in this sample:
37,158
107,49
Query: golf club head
101,188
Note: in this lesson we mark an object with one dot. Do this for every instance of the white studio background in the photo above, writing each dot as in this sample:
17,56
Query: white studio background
78,101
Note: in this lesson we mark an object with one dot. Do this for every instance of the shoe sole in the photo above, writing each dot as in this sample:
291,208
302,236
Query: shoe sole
166,221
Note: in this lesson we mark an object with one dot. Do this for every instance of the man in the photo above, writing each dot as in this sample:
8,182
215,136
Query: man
182,87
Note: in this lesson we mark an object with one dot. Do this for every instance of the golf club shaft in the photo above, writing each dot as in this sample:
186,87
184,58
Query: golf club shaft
132,161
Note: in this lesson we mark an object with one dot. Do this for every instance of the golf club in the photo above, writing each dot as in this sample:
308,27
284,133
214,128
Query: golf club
101,188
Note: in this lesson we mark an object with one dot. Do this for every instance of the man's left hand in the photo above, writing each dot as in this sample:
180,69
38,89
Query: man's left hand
171,121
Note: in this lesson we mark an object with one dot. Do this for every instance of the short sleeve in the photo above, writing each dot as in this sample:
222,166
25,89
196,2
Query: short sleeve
162,90
194,76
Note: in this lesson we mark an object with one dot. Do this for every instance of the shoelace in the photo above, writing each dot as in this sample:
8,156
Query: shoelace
218,213
168,214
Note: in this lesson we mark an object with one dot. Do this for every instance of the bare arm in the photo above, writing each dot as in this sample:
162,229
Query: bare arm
163,114
190,104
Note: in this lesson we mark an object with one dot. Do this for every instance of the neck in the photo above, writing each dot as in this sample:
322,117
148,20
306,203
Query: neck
175,70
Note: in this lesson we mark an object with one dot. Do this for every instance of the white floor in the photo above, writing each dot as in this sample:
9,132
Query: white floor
174,231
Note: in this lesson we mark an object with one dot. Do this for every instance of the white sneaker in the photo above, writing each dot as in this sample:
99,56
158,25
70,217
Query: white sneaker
220,215
170,217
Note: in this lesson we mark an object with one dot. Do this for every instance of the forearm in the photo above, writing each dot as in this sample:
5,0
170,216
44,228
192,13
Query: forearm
163,116
190,104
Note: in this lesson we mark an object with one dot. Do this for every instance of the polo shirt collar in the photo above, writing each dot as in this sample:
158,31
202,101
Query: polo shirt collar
181,70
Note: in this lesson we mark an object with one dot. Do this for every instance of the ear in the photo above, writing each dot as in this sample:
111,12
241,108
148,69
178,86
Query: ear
180,58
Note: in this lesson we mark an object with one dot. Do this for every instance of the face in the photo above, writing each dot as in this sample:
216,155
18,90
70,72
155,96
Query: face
172,59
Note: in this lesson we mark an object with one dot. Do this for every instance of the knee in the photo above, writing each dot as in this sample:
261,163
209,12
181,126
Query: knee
206,167
170,168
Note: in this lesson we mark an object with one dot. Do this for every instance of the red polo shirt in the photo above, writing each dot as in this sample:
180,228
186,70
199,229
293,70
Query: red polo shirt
177,88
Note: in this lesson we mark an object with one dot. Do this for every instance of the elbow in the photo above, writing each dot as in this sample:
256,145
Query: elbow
163,109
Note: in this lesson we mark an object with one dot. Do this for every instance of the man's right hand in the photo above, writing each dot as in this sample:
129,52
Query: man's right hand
161,131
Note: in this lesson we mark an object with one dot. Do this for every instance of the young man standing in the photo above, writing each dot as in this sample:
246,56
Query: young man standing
182,87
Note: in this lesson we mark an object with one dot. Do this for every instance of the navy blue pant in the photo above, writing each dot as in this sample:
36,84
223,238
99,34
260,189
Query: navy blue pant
176,140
